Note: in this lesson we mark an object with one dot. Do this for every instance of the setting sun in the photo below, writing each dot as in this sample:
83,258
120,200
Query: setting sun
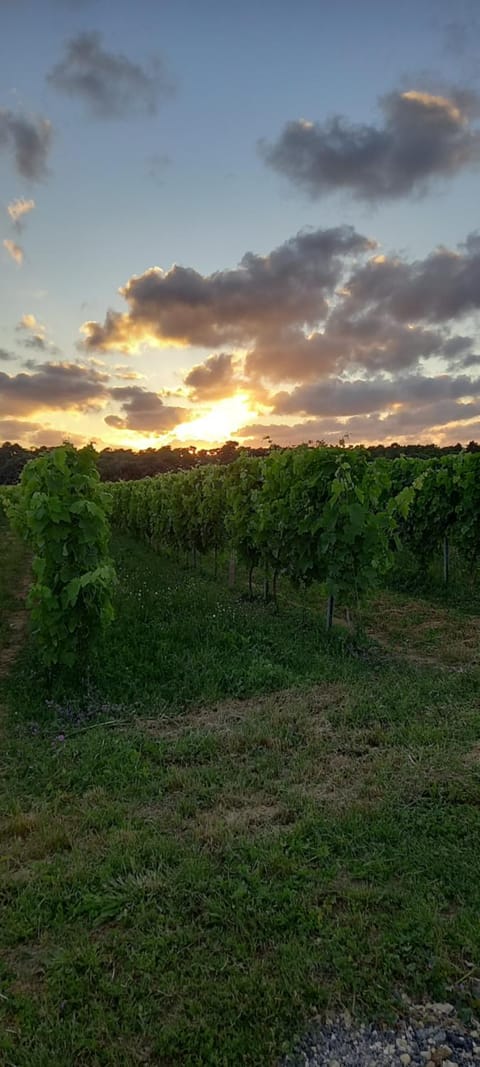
220,423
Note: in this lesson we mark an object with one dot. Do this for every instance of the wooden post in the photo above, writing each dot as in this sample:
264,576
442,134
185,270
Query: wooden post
274,587
446,560
266,585
330,610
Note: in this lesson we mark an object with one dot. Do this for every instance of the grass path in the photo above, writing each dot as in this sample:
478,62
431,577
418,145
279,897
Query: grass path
274,828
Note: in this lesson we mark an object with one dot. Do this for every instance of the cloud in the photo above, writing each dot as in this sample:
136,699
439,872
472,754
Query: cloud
213,379
110,84
37,342
371,342
360,396
17,209
16,429
144,411
320,332
33,333
446,424
29,322
49,438
125,374
423,137
29,138
5,356
52,386
289,285
389,315
443,286
14,250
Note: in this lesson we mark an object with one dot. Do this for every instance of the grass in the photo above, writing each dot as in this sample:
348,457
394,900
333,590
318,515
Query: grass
12,569
240,825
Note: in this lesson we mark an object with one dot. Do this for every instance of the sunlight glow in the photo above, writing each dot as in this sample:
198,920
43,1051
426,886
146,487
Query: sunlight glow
220,423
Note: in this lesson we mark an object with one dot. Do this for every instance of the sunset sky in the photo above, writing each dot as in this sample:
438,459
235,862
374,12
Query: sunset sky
239,220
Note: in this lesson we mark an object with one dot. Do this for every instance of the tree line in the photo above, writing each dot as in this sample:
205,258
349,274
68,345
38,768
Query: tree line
124,464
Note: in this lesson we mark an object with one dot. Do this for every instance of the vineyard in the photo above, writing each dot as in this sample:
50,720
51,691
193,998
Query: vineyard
324,516
328,517
219,821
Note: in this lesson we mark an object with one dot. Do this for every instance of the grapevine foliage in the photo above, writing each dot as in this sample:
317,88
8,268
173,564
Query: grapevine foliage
328,515
60,509
309,514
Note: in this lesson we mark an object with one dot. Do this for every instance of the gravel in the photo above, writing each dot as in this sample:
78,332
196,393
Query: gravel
432,1037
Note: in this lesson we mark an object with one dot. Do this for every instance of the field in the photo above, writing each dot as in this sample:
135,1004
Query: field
238,823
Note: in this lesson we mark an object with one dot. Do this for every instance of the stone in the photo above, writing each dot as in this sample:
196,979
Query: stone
443,1009
458,1040
405,1059
441,1053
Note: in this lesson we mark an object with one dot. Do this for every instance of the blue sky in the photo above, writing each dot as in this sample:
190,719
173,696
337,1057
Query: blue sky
187,185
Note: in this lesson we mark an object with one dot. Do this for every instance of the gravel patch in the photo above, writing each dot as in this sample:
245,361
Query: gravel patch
432,1037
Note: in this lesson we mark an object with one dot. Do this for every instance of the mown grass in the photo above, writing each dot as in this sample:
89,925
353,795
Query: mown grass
273,825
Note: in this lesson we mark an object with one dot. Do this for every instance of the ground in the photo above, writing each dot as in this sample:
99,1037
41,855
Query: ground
234,824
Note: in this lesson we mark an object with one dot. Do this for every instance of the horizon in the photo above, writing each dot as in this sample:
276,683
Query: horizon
191,255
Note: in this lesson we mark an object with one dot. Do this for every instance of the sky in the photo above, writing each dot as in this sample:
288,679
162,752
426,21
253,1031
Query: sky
246,221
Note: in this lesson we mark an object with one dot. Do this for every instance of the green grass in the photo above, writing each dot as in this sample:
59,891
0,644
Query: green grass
275,825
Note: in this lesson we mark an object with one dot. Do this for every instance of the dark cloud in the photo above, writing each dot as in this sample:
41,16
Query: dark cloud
423,137
29,138
290,285
472,360
144,411
111,85
447,422
359,396
5,356
443,286
213,379
457,346
52,386
371,342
